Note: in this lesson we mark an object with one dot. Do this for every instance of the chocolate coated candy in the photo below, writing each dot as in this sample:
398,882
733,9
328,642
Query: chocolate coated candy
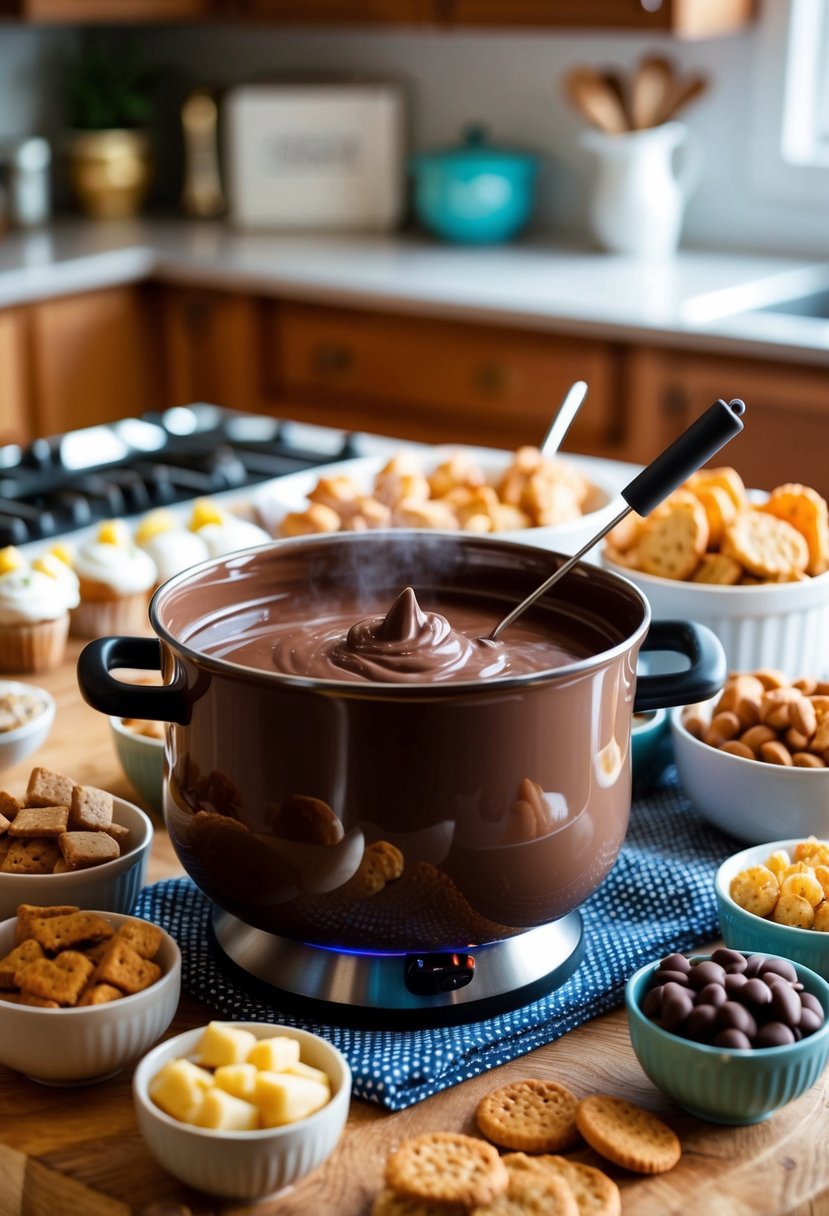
706,973
733,1016
702,1023
735,982
779,966
785,1004
756,991
711,994
652,1004
753,965
809,1001
675,962
665,975
677,1003
731,960
774,1034
732,1038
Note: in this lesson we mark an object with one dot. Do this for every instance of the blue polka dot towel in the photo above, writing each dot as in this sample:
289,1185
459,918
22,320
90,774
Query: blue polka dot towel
658,897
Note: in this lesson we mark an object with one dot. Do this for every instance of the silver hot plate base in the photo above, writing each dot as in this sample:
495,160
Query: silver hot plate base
425,986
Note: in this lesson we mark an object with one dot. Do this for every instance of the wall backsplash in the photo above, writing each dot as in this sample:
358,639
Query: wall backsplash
509,81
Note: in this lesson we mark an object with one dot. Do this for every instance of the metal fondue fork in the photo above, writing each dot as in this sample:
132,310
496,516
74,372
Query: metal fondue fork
702,439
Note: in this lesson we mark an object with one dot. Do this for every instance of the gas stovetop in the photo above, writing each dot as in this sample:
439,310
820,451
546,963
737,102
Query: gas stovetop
66,482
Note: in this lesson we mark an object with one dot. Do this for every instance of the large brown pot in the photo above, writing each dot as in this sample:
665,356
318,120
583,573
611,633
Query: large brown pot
442,772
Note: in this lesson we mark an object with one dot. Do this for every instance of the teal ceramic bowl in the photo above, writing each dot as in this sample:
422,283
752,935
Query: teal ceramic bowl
743,930
142,760
722,1085
650,743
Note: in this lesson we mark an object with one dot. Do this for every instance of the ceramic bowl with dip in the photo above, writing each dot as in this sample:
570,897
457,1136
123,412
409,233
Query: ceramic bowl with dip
27,713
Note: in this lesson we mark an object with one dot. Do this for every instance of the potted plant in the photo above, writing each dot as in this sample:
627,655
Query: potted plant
109,106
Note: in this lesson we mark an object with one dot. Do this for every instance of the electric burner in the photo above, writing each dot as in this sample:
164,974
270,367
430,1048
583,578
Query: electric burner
414,988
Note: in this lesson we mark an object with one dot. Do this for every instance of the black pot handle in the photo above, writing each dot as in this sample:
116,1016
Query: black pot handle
702,680
101,691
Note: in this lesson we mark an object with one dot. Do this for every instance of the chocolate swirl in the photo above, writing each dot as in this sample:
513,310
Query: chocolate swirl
405,645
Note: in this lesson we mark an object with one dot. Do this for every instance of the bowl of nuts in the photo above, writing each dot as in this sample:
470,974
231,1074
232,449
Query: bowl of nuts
730,1036
753,567
775,897
756,757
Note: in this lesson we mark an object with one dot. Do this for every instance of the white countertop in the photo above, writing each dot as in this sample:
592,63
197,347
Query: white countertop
697,299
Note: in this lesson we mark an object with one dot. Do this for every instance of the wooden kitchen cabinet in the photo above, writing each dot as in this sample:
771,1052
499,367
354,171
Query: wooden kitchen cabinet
332,12
213,348
73,12
94,358
786,410
16,422
683,18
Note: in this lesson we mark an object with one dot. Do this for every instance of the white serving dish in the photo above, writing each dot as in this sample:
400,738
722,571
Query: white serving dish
112,886
290,493
16,745
749,799
243,1165
779,625
84,1044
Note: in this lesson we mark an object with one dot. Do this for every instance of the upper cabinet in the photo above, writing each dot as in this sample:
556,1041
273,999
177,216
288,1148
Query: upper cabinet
684,18
73,12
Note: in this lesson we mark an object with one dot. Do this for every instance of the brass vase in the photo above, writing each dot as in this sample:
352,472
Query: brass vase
110,171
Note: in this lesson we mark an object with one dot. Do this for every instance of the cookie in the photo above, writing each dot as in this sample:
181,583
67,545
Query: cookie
807,511
90,809
100,994
719,569
36,856
532,1116
768,547
120,834
14,962
83,849
27,913
9,805
61,979
445,1167
531,1193
390,1203
719,509
594,1192
46,788
673,541
125,969
31,822
63,932
142,936
627,1135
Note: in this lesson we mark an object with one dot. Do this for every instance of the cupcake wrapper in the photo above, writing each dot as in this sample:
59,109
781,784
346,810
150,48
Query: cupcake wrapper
100,618
30,648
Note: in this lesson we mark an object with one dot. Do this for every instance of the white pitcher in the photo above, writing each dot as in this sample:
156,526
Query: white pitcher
639,194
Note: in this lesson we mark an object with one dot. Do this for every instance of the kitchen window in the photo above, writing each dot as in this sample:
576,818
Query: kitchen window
792,101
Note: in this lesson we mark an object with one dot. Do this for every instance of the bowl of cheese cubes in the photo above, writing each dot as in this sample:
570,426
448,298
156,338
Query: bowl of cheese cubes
242,1109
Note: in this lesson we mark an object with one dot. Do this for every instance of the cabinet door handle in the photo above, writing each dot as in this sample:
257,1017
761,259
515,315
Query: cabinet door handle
331,359
491,379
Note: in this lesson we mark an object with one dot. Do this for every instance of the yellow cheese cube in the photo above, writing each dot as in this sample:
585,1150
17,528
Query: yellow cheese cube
10,559
114,532
305,1070
282,1098
237,1079
223,1043
223,1112
205,512
179,1088
153,523
274,1055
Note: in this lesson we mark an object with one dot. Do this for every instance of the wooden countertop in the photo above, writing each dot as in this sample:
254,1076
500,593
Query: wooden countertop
78,1152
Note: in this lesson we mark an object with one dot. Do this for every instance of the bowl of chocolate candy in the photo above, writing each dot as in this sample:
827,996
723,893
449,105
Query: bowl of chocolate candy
730,1036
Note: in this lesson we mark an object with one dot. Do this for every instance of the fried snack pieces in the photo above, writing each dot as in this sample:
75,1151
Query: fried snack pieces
531,492
64,957
708,531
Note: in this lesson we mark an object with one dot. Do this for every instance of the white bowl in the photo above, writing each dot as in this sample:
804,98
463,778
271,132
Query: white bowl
112,886
16,745
780,625
142,759
81,1045
749,799
243,1165
290,493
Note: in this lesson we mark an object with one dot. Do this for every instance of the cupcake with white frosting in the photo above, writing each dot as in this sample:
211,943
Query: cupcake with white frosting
116,578
222,532
172,546
35,601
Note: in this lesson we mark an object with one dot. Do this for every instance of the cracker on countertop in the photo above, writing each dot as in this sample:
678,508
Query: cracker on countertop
627,1135
532,1115
447,1167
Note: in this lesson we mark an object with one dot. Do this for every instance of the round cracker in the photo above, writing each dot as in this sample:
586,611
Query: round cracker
673,541
390,1203
594,1192
627,1134
719,511
724,478
447,1167
531,1193
533,1116
768,547
807,511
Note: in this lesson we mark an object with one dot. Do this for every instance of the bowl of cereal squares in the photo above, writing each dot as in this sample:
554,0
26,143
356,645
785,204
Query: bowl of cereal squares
753,567
775,897
65,843
26,717
756,757
242,1109
731,1036
139,745
82,993
553,503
